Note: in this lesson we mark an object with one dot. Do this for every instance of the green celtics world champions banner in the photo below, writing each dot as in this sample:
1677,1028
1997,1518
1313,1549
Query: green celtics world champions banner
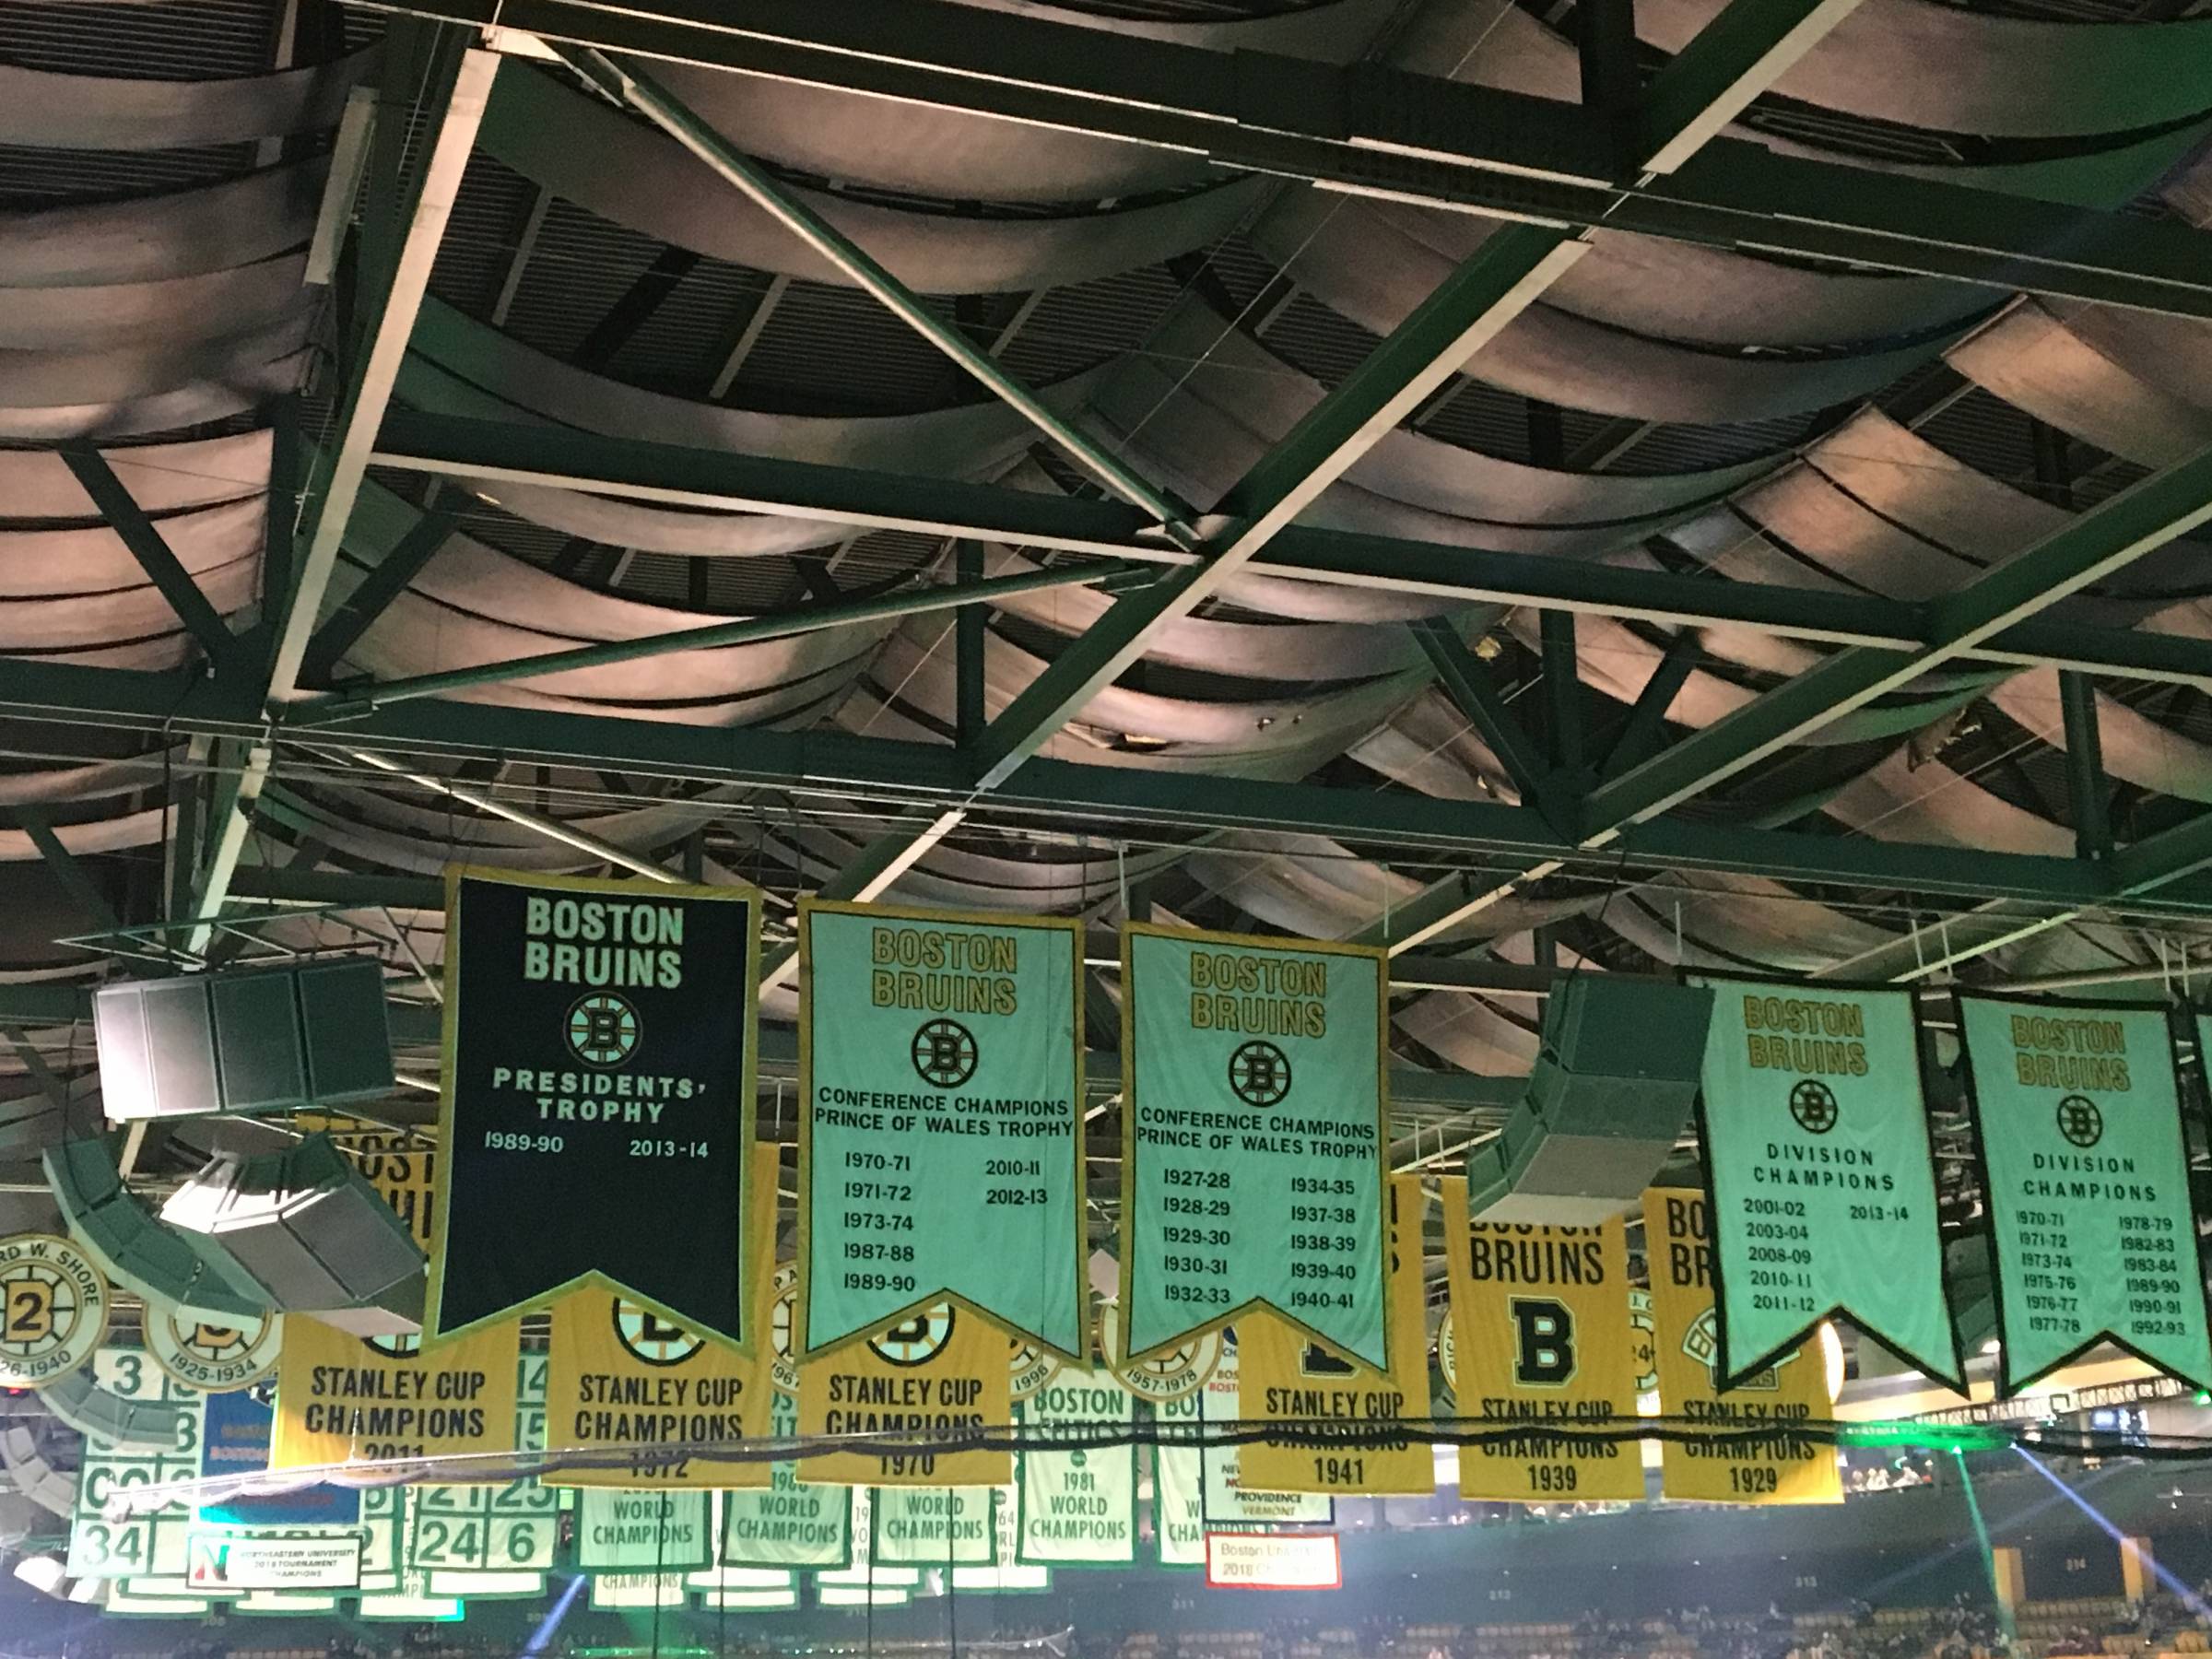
1254,1137
940,1136
598,1089
1823,1175
2078,1117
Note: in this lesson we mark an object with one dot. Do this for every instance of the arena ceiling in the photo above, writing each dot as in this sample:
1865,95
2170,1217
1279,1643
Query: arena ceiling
1538,486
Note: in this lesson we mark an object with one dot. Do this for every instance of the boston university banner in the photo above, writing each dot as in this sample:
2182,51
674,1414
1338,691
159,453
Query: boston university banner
1254,1139
2079,1116
1822,1174
598,1080
941,1143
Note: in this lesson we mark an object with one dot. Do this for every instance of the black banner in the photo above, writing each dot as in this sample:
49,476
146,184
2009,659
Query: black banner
598,1100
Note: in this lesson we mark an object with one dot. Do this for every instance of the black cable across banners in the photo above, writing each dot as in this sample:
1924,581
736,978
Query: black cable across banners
598,1106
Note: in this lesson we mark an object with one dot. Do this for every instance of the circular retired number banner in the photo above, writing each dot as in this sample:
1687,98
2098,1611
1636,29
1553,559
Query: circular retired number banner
212,1357
54,1309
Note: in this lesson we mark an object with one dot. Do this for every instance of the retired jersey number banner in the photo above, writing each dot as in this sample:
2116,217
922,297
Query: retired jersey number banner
342,1398
649,1394
2079,1116
1286,1376
1254,1137
1542,1340
1779,1468
941,1148
1823,1175
937,1374
598,1082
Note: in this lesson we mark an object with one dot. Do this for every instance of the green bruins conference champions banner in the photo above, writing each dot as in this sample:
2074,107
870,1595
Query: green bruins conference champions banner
1822,1174
598,1082
940,1140
1254,1144
2079,1120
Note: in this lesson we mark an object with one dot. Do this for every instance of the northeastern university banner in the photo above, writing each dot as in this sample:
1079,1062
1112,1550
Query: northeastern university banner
598,1083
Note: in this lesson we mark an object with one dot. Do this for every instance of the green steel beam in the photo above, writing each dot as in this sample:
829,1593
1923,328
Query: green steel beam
1647,716
1365,127
400,565
2086,783
634,89
917,777
1729,62
68,872
2122,528
1467,310
2107,538
1562,691
226,655
431,74
495,451
351,701
1467,683
404,221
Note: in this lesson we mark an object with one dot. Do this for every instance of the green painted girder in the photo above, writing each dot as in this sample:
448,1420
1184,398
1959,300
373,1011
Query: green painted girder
351,701
1467,682
1369,128
1468,309
1727,65
1112,798
2124,527
137,533
496,451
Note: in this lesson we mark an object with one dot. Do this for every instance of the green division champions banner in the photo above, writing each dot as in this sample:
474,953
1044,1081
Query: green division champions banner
941,1148
1252,1143
598,1083
1823,1175
2079,1122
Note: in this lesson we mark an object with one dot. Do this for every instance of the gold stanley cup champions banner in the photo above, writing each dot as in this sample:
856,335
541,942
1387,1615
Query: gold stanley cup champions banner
599,1073
941,1120
1286,1374
1541,1337
1677,1241
940,1372
1254,1138
342,1398
624,1381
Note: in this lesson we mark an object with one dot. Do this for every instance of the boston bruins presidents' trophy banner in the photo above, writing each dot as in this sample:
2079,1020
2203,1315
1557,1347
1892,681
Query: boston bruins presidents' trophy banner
1823,1175
2078,1117
1253,1140
941,1148
1723,1468
598,1102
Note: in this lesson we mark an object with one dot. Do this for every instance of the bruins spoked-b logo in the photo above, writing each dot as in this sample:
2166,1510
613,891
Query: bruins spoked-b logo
916,1339
651,1339
944,1053
603,1029
2079,1120
1259,1073
54,1309
1702,1342
782,1321
1813,1104
1169,1374
395,1345
214,1359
